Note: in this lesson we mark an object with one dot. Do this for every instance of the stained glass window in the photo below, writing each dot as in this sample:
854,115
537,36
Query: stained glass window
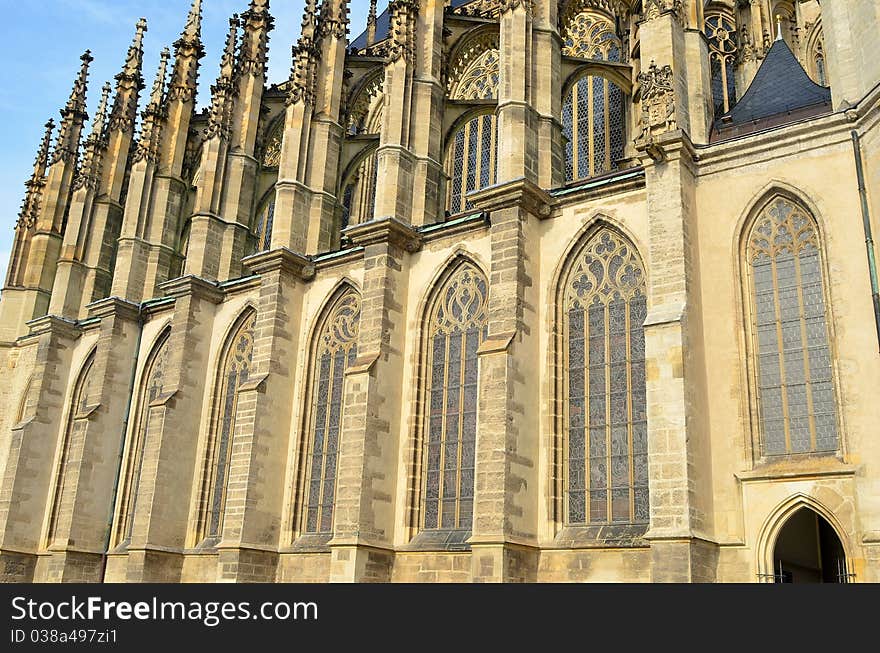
591,35
791,341
472,162
265,224
336,352
151,389
457,328
723,48
359,194
606,437
593,123
234,373
71,448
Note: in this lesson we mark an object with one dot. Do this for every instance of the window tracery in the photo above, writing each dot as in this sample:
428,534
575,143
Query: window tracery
797,408
605,406
457,326
336,351
723,51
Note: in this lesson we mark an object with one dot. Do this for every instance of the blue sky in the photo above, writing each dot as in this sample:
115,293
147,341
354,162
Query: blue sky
40,48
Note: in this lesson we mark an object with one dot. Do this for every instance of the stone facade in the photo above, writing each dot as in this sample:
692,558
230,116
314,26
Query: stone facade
232,234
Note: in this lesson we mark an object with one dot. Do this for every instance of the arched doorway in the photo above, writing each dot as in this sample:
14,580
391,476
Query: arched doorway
808,550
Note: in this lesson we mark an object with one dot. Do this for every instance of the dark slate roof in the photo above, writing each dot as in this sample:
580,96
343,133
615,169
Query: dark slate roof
781,87
383,27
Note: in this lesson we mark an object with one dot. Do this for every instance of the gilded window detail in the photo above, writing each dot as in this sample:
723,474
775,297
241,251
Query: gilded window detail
71,450
472,160
336,352
591,35
593,123
457,327
723,49
151,389
359,194
234,373
606,428
791,341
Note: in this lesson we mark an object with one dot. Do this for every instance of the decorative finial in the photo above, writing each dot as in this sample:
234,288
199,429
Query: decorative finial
227,63
193,27
310,21
371,24
101,113
159,83
778,27
77,102
43,153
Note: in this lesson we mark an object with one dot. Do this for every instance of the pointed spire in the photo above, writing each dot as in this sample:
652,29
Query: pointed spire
129,84
93,152
224,90
148,144
193,29
188,50
309,22
371,24
101,114
30,207
257,23
43,153
73,115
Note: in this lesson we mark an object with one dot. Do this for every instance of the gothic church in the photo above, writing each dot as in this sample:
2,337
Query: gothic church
487,291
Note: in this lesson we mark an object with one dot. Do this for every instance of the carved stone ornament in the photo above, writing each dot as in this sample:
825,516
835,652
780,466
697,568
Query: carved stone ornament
658,102
656,8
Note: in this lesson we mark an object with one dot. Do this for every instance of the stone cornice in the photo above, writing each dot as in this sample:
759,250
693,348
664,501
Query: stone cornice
58,326
519,193
114,307
385,230
195,287
281,259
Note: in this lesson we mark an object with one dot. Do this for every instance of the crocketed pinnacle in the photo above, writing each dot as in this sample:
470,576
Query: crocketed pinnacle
129,83
148,144
310,21
371,24
95,146
30,207
73,115
188,50
223,91
257,23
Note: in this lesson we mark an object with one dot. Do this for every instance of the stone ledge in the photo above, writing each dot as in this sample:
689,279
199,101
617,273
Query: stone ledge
194,286
114,307
385,230
54,325
798,469
284,260
518,193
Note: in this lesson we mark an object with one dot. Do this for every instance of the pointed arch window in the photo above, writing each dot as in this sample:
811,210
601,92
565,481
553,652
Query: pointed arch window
472,160
71,449
594,126
723,48
605,402
359,192
480,77
335,351
151,389
265,223
796,396
456,328
234,372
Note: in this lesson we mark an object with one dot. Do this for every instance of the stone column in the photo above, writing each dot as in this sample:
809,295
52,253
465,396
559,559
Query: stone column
517,119
394,160
255,494
428,103
162,508
27,478
362,544
83,503
505,530
547,81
